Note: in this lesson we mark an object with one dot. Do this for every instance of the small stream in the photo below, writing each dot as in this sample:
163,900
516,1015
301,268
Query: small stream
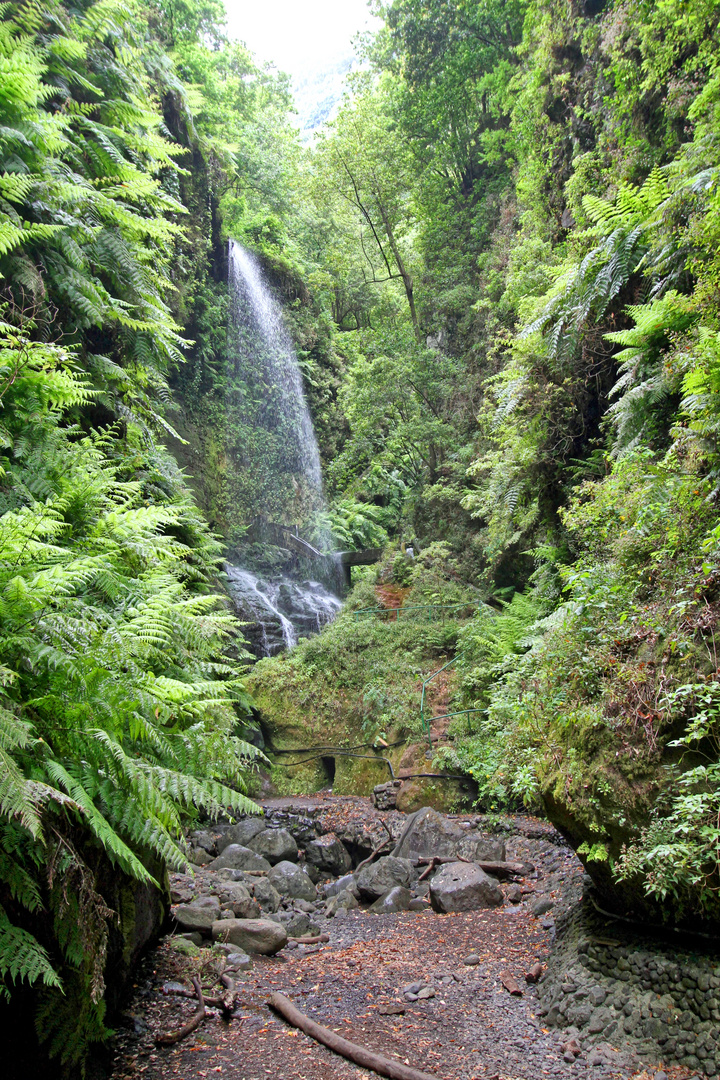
279,610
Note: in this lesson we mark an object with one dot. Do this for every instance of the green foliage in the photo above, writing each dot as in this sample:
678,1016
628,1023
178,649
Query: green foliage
119,697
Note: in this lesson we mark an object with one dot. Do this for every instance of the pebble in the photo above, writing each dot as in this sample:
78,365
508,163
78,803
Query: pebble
472,960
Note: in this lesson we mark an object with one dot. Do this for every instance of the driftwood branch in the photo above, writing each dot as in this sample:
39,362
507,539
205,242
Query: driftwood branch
194,1022
378,849
366,1059
499,869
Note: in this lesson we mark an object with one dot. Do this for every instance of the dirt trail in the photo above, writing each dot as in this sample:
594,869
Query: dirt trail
471,1029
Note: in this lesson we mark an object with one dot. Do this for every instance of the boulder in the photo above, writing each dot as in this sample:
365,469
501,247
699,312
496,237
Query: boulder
429,833
198,856
184,947
266,895
290,880
242,833
478,848
381,876
342,901
397,899
329,854
332,888
199,915
296,923
464,887
275,845
240,903
203,838
237,857
251,935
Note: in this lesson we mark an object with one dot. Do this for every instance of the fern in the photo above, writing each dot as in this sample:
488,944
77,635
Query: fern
22,958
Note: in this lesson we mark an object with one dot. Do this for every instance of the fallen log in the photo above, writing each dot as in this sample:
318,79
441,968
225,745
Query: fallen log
498,869
510,983
533,975
366,1059
194,1022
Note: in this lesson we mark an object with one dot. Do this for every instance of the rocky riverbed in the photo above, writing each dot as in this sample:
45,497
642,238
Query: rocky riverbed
425,961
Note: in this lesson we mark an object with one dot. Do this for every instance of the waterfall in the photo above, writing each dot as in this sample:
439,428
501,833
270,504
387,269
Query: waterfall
264,349
279,450
278,611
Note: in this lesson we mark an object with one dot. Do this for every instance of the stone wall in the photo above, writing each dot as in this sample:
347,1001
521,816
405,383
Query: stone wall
609,986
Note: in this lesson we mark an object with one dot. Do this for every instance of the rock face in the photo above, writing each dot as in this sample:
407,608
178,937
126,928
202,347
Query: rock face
429,833
378,878
199,915
275,845
237,857
329,855
251,935
289,880
464,887
242,833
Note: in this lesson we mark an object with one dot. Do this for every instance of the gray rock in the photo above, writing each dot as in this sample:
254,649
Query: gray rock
419,903
252,935
599,1021
239,960
203,838
242,833
377,878
296,923
332,888
266,895
464,887
472,960
198,856
329,854
199,915
396,899
237,857
429,833
290,880
228,874
481,848
426,992
194,935
540,907
343,902
275,845
384,796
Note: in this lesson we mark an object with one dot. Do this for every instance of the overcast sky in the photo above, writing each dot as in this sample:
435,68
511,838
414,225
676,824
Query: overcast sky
297,34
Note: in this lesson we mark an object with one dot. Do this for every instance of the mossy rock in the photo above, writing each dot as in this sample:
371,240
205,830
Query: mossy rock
447,796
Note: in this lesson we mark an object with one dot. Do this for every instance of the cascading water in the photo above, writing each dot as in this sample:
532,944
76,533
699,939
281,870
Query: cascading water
279,610
281,450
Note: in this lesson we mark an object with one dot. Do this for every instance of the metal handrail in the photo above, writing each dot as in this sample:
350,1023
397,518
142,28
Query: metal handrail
422,696
430,608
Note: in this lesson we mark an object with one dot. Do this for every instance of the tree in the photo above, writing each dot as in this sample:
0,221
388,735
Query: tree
364,164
